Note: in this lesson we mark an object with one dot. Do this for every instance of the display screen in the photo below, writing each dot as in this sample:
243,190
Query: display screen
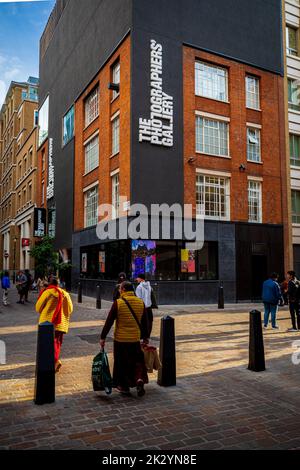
143,257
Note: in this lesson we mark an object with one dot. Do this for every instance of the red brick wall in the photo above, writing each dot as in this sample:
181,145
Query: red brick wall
107,108
272,140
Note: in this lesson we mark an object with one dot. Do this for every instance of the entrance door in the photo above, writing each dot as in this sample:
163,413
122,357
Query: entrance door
259,275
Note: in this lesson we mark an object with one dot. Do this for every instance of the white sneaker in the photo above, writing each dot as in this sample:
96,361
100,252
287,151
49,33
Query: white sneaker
291,329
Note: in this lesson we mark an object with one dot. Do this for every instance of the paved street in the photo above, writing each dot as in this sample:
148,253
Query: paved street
217,403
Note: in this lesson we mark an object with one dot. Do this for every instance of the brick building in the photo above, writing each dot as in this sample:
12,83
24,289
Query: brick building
18,128
222,149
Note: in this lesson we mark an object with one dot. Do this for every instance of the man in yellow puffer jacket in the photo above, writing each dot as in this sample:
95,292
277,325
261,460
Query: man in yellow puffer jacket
55,306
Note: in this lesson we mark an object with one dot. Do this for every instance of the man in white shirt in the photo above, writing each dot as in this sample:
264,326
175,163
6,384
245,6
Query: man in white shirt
143,291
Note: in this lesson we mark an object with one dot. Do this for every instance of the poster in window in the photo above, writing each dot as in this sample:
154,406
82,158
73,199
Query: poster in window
84,262
188,264
143,257
102,262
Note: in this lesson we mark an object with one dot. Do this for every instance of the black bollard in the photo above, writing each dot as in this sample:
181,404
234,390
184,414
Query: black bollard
256,343
167,353
98,301
79,298
221,296
45,367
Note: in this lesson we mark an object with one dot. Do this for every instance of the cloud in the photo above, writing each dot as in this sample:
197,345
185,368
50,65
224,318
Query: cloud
3,92
11,69
12,74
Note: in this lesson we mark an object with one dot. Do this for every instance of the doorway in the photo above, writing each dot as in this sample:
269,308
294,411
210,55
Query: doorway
259,273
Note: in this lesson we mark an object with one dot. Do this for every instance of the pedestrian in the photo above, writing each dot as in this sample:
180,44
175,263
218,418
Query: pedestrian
284,291
5,282
130,317
55,306
294,295
121,278
41,283
28,284
143,291
271,295
21,282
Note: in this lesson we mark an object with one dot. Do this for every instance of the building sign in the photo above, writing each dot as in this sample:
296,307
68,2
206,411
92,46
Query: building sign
51,223
25,242
188,263
158,130
39,229
50,187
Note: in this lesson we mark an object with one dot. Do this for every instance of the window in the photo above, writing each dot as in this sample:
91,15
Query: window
211,81
43,193
212,196
91,207
291,41
68,126
295,150
92,154
36,118
295,207
254,201
30,191
252,92
44,121
116,77
211,136
253,145
92,107
30,159
293,95
43,160
115,125
115,184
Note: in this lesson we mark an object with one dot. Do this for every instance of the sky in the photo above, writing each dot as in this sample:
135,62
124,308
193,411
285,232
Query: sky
21,26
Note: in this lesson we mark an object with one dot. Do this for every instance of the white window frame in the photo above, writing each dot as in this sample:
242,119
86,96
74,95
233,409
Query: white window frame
91,106
116,77
89,163
219,177
115,134
252,98
206,120
258,190
115,194
292,157
209,87
289,50
251,155
91,222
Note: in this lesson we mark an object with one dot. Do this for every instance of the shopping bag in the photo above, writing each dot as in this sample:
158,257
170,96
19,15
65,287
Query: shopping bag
151,357
101,377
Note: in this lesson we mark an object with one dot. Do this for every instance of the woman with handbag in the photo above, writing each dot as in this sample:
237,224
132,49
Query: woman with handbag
130,318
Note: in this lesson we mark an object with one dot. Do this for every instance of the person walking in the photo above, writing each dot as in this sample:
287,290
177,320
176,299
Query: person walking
42,283
55,306
284,291
28,284
5,282
130,318
293,295
271,295
143,291
21,282
121,278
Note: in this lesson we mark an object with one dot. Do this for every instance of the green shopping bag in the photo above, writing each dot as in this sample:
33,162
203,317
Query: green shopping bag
101,378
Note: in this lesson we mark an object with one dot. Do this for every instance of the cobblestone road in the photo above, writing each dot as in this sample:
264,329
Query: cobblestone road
217,403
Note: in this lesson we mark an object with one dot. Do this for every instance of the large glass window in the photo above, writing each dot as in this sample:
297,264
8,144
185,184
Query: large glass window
115,125
291,41
44,121
212,136
212,196
293,95
115,184
253,145
211,81
252,92
295,207
92,107
91,207
254,201
295,150
116,77
68,126
92,154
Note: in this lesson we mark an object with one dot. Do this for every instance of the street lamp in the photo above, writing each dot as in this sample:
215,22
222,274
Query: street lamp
14,275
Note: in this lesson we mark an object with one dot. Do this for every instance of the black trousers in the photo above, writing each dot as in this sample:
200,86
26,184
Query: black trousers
294,312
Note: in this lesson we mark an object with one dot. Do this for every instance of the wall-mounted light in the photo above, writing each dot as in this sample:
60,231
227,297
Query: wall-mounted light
114,87
242,167
191,160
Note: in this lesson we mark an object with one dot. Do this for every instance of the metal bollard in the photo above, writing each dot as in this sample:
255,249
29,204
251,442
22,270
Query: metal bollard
167,353
221,296
98,298
79,298
256,343
45,367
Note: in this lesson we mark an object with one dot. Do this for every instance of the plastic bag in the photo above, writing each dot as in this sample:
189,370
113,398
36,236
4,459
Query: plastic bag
101,377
